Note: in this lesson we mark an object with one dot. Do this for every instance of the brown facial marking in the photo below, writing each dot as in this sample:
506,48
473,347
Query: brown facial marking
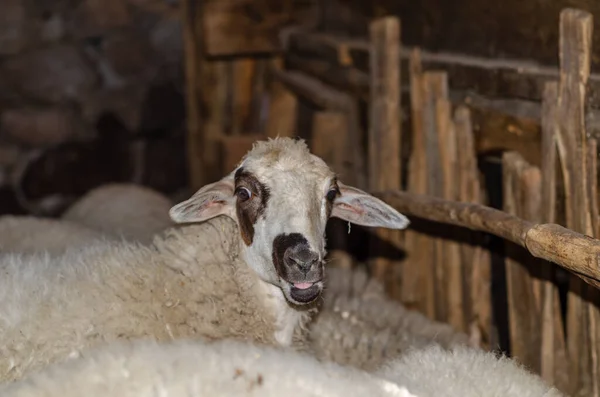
250,210
329,202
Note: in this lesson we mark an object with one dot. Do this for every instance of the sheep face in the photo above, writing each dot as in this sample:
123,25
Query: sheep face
281,197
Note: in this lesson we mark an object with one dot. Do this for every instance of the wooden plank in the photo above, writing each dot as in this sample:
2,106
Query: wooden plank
314,90
522,197
195,139
510,29
476,259
593,295
283,106
242,90
233,148
553,349
497,77
326,97
330,142
435,89
237,27
384,137
575,42
449,249
418,288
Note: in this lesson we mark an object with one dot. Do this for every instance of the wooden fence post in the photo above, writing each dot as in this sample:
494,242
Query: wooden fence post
384,134
575,52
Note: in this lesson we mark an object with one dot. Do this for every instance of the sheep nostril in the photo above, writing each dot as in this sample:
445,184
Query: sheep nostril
303,259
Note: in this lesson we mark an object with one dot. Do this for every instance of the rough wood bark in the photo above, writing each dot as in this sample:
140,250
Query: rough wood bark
384,136
575,43
571,250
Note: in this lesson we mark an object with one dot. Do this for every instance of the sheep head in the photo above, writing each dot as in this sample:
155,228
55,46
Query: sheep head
281,197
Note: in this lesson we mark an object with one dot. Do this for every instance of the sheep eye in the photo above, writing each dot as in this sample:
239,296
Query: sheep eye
331,194
243,194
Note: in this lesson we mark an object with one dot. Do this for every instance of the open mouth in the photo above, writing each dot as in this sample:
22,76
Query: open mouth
305,292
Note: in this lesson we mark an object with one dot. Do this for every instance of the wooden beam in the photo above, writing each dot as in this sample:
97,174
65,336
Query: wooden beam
554,368
575,45
329,98
314,90
573,251
508,29
522,197
243,27
384,136
476,259
283,105
330,141
495,78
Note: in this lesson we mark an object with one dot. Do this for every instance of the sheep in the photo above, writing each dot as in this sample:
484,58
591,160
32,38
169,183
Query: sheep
356,325
255,273
195,368
359,325
30,234
463,372
127,210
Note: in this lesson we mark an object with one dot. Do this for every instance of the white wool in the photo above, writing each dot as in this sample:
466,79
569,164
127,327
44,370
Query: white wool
359,325
464,372
28,234
194,369
127,210
188,283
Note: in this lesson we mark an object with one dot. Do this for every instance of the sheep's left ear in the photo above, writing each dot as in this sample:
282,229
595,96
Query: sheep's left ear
354,205
210,201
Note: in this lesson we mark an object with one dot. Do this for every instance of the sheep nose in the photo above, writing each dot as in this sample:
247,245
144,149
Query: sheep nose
303,258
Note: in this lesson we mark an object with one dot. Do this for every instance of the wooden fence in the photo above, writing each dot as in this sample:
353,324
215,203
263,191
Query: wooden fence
346,97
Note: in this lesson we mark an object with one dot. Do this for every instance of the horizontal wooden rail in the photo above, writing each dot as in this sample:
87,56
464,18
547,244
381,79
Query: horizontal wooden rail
571,250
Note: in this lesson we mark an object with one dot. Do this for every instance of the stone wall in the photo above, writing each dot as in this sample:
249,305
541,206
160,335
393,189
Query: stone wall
91,91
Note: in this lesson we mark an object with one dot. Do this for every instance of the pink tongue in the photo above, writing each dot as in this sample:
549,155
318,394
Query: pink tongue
303,285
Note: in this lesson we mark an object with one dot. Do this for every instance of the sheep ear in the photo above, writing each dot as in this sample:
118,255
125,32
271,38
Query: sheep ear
210,201
354,205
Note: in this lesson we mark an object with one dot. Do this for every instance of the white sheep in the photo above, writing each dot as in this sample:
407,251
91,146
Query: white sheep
463,372
30,234
196,368
255,274
127,210
359,325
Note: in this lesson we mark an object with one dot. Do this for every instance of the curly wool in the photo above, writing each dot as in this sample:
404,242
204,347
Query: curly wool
359,325
188,283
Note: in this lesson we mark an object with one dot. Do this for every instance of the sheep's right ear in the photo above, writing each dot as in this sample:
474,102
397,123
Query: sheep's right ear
208,202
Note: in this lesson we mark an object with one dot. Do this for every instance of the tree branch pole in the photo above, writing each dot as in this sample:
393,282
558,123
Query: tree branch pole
573,251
